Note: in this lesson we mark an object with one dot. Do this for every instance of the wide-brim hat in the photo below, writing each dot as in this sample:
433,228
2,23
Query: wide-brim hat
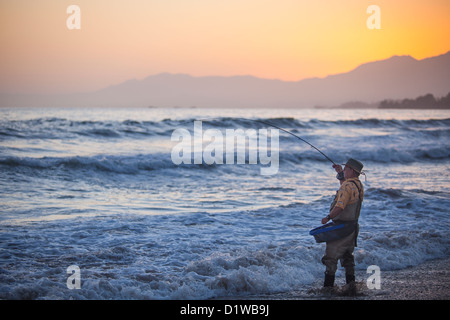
355,165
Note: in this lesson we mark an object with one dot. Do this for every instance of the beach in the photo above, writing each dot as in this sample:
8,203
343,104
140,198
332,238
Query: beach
427,281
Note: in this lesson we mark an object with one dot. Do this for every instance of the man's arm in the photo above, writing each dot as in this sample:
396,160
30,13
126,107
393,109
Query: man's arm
333,214
336,210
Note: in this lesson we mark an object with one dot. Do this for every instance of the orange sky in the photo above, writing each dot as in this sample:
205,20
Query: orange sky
277,39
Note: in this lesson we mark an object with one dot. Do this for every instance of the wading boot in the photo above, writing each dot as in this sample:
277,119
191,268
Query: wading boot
350,287
329,281
349,278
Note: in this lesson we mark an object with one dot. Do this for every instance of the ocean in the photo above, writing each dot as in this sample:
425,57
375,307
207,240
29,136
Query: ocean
93,205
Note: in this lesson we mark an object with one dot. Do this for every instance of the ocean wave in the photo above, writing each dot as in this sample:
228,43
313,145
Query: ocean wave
56,128
116,164
293,123
378,154
405,124
290,122
157,161
394,155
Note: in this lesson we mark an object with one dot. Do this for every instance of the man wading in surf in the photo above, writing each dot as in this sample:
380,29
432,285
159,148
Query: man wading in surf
345,208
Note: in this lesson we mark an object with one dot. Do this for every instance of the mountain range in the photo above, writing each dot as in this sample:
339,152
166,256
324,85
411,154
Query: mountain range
398,77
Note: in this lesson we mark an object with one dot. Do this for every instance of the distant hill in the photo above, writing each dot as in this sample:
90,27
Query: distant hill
398,77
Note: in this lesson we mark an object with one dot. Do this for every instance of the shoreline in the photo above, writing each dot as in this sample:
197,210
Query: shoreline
429,280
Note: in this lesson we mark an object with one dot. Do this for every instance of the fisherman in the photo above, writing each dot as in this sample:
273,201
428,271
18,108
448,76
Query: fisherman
345,208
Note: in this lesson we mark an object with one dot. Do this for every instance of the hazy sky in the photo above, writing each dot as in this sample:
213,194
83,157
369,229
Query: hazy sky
277,39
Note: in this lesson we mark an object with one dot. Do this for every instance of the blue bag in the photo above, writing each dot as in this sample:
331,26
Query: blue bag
334,230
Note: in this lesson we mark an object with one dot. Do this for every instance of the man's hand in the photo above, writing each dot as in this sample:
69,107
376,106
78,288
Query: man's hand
333,214
337,167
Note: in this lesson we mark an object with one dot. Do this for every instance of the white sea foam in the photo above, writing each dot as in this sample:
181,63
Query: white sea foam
100,191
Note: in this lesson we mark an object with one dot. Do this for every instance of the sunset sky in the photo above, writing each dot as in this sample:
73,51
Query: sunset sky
283,39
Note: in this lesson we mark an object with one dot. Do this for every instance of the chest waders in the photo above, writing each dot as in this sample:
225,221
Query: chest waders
346,223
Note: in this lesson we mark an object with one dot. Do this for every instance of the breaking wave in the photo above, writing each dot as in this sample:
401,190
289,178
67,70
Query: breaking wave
53,128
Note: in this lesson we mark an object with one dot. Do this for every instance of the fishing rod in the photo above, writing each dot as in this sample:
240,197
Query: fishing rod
272,125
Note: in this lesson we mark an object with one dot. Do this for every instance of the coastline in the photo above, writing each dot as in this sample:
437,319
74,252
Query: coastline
428,281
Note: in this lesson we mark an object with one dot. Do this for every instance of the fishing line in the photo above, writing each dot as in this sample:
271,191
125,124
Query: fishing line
272,125
300,138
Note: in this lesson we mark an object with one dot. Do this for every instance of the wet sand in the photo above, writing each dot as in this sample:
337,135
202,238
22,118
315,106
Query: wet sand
427,281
